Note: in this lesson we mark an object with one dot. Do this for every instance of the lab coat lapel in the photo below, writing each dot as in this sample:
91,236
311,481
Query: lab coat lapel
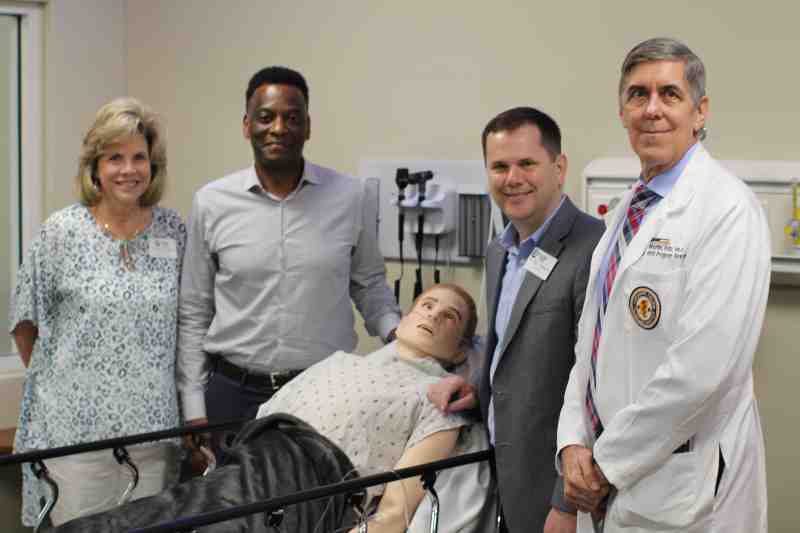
683,192
638,245
680,195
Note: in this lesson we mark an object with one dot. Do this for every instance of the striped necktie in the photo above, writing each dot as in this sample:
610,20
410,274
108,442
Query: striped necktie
643,198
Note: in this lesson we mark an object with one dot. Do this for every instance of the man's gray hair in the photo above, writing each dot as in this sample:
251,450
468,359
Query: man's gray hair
667,49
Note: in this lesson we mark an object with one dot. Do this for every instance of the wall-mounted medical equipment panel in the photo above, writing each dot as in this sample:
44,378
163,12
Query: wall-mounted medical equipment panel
436,202
774,182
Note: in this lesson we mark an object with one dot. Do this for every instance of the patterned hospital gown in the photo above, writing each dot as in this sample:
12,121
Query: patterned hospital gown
103,364
373,407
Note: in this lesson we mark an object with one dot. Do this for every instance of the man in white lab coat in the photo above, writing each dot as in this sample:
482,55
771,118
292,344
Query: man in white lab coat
660,429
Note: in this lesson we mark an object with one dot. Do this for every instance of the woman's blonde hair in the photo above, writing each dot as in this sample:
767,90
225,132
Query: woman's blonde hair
116,121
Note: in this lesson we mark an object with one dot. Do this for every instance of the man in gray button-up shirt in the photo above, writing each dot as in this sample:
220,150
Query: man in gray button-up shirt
275,252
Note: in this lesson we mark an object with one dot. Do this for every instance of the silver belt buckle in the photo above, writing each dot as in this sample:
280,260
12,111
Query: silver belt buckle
275,376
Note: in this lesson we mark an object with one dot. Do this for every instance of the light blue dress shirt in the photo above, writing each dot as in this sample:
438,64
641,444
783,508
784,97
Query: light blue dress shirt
516,256
660,184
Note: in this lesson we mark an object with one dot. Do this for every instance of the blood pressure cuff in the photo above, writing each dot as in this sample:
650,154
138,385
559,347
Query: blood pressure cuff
270,457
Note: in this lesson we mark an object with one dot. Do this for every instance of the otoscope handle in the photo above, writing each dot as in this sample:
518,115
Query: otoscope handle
420,235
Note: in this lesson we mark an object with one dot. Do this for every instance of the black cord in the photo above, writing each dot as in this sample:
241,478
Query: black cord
402,180
401,221
418,242
420,178
436,258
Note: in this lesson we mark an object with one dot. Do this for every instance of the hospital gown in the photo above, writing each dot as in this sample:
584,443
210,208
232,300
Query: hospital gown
373,407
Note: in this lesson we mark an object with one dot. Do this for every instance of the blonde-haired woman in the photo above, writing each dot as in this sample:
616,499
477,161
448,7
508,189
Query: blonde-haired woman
94,318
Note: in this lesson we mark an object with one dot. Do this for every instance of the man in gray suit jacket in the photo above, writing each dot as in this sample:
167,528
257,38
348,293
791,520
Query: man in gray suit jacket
536,273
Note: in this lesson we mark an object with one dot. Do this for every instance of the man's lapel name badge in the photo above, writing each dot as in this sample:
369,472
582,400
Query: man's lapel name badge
540,263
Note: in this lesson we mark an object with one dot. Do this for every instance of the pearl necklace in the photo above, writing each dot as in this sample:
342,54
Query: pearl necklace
124,250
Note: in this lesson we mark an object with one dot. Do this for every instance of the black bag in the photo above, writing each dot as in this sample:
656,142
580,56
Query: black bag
270,457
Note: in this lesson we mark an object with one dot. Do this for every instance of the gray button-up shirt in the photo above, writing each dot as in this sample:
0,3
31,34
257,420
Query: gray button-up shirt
267,282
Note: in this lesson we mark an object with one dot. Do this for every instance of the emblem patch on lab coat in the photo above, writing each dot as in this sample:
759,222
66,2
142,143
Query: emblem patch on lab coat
645,307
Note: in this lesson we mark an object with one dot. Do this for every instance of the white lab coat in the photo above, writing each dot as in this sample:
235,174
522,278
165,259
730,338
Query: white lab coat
690,375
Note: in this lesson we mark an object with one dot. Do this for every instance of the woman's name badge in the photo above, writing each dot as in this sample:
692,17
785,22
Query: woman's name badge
540,263
165,248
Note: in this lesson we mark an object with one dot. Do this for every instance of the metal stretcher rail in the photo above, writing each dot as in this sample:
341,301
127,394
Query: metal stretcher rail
36,458
427,471
118,442
344,487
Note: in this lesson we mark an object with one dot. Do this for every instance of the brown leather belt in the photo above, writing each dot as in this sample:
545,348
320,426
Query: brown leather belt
269,380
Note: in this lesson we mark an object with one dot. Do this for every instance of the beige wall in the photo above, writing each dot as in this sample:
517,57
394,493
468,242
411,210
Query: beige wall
85,67
777,373
420,79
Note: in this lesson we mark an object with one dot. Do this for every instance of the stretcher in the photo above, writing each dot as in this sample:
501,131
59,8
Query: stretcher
459,499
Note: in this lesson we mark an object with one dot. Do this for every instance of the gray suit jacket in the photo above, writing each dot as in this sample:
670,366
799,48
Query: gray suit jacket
536,358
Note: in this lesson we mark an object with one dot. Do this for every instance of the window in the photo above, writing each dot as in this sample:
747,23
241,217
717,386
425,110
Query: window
10,238
21,153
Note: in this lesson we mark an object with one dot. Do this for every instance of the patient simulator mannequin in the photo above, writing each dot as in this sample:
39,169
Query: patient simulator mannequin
374,407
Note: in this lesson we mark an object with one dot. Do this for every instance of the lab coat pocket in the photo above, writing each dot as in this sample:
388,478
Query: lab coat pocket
664,499
653,299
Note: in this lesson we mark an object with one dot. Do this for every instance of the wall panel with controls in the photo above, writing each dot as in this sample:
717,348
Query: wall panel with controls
774,182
